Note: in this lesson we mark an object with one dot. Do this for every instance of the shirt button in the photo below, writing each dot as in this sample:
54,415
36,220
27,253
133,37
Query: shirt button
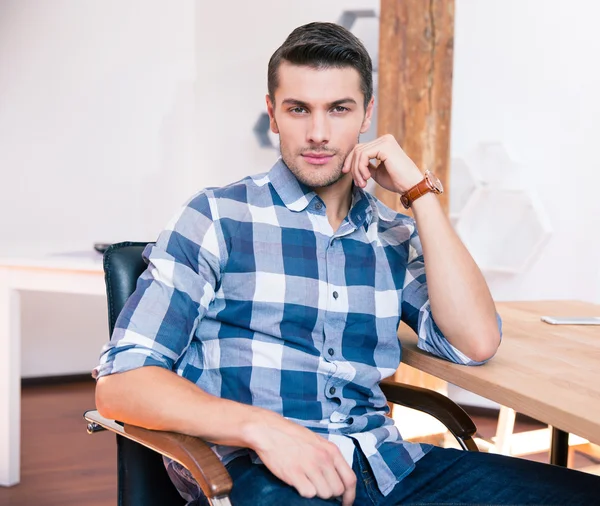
318,206
335,295
350,421
332,390
330,351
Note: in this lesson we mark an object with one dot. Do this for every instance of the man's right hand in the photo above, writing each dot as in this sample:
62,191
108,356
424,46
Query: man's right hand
152,397
301,458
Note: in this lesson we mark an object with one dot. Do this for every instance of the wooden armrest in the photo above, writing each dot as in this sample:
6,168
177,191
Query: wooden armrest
191,452
457,421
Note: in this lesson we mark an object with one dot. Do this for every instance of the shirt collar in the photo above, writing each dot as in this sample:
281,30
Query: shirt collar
295,195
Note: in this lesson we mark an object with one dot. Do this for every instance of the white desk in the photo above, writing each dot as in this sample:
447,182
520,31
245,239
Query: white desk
79,273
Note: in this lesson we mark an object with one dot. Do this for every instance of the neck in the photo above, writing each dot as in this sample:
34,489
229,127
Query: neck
337,198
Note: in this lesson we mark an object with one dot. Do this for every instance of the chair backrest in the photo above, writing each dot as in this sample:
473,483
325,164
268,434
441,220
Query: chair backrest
142,478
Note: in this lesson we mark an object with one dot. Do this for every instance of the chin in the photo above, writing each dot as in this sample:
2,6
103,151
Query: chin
319,177
314,175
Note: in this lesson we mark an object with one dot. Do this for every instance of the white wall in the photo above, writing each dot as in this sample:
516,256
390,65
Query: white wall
88,93
526,75
97,107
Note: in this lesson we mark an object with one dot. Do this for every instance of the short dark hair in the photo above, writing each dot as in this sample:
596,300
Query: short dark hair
320,46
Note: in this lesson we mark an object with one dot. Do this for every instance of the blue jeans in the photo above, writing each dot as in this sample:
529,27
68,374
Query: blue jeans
443,476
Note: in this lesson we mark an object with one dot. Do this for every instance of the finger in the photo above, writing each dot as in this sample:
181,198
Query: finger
304,485
317,478
348,162
349,496
348,478
373,171
356,177
334,480
356,170
363,166
347,500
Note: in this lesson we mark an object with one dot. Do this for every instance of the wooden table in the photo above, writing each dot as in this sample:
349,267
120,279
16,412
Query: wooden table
71,273
549,372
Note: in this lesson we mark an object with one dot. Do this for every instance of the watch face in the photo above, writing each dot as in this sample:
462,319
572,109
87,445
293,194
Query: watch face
434,183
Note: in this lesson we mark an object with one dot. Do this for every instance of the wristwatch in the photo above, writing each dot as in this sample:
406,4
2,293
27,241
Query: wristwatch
430,183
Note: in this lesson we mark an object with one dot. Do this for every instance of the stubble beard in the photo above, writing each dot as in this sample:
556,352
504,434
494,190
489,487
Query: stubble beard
320,177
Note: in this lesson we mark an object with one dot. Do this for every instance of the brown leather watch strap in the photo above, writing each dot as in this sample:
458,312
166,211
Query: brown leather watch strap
420,189
414,193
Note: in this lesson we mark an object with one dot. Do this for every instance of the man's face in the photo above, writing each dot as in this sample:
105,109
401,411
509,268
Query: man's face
319,115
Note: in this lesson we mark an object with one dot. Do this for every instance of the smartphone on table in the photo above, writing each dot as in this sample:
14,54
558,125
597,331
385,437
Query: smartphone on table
572,320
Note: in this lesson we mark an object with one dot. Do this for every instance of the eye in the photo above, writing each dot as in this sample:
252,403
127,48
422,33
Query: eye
340,108
298,110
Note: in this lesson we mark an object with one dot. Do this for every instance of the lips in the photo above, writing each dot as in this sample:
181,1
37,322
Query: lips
317,158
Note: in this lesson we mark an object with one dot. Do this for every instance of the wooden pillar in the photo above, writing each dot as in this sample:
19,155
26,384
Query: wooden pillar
414,101
416,39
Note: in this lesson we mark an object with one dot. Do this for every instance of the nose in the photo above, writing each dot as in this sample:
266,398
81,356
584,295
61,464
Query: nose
318,131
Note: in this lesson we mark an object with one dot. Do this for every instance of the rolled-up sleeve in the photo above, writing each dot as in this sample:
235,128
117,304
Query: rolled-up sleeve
416,309
173,294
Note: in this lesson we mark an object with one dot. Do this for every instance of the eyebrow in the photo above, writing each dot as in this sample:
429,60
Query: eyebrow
300,103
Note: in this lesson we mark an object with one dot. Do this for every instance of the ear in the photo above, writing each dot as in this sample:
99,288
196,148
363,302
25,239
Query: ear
271,112
369,113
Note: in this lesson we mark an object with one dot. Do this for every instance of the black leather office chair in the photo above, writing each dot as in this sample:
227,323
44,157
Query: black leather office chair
142,478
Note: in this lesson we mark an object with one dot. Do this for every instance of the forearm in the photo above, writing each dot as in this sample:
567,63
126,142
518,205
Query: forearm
158,399
460,300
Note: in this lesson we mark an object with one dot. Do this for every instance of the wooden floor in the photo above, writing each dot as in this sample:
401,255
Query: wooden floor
61,465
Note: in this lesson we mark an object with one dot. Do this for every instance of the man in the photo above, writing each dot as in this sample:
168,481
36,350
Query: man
268,313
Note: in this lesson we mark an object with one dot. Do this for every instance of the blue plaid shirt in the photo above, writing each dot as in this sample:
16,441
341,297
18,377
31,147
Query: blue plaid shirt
250,294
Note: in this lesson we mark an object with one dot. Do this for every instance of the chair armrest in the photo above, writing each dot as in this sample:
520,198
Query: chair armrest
457,421
191,452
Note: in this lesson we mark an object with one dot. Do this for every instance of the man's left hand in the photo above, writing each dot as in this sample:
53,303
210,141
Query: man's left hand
395,171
